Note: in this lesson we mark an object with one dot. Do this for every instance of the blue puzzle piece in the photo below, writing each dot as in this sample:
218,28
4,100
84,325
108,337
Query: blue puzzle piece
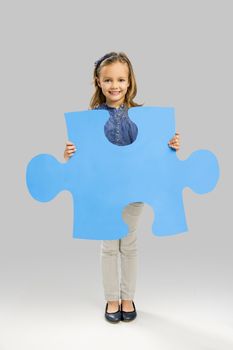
103,177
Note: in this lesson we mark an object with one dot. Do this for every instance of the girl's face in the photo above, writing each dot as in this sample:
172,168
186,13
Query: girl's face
113,81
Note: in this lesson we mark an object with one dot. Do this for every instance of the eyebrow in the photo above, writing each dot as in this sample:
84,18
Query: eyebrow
111,78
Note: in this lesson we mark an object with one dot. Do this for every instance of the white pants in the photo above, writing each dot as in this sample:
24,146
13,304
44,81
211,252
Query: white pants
127,249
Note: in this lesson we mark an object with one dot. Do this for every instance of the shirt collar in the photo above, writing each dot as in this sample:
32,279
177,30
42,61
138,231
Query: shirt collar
122,106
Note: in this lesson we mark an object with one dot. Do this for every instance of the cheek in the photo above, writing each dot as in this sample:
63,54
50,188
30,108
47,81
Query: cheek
105,86
124,86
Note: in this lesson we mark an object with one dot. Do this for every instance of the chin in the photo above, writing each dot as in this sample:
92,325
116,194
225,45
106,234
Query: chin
115,98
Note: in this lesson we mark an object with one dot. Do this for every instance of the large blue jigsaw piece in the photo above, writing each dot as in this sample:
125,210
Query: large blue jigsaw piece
103,177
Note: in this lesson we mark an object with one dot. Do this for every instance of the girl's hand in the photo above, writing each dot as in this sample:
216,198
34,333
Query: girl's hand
69,150
175,142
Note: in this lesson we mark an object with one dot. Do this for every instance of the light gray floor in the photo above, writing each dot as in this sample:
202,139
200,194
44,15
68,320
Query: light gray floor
183,297
160,324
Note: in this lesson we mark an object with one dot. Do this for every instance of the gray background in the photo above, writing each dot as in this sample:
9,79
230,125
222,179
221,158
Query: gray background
51,294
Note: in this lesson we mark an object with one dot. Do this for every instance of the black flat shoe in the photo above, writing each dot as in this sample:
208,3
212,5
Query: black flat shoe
113,317
128,315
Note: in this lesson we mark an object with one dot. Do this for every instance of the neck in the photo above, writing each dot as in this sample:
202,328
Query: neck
114,106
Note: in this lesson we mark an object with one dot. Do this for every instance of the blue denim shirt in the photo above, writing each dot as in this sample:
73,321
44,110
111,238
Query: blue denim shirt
119,129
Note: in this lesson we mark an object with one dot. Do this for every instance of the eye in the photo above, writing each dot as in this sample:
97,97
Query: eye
122,79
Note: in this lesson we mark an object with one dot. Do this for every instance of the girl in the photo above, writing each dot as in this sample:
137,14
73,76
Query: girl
115,89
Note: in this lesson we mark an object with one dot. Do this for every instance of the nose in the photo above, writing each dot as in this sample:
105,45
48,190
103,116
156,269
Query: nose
114,85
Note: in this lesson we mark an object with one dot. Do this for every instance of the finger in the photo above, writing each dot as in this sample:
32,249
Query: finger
171,145
69,143
174,142
174,139
71,147
175,145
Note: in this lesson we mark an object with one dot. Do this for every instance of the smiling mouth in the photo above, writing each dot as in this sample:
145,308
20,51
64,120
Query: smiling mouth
114,92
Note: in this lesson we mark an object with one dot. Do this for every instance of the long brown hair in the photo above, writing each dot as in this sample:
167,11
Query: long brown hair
98,97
